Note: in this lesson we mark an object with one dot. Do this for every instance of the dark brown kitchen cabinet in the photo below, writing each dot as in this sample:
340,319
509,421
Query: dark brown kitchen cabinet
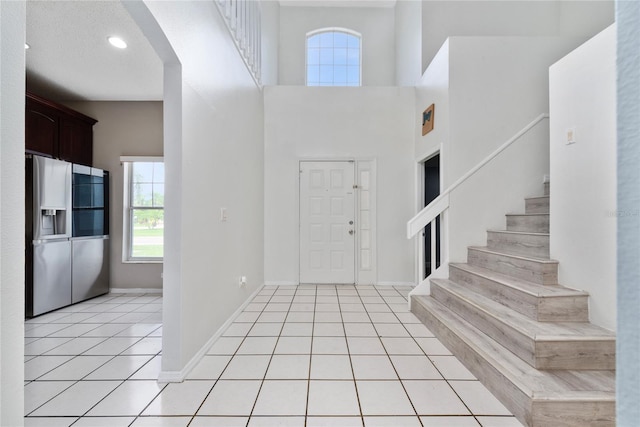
57,131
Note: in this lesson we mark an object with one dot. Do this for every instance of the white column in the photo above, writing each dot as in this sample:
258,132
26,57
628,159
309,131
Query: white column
12,83
628,303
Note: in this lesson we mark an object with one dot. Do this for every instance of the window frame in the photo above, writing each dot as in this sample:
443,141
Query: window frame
128,209
331,30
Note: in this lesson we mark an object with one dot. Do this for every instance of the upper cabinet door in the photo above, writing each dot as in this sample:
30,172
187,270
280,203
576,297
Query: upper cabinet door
76,141
41,129
57,131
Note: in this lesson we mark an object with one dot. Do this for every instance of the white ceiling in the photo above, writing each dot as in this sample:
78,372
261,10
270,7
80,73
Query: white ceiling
70,58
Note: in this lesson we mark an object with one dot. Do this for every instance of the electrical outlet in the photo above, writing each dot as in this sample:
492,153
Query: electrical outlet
223,214
243,281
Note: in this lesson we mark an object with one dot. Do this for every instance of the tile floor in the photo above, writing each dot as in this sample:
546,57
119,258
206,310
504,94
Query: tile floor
296,356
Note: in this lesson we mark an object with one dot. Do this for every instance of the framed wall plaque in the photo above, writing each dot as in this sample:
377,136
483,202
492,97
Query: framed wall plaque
427,119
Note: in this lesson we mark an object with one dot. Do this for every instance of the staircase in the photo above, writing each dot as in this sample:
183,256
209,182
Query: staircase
526,338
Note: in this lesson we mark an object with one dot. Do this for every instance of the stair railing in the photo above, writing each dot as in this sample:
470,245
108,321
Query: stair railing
440,204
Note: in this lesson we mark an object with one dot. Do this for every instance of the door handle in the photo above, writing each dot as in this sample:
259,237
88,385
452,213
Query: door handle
351,232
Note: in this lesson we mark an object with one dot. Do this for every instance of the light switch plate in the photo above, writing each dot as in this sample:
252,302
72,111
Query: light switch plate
571,136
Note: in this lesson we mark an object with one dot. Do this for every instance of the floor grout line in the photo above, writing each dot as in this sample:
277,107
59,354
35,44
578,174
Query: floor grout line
332,305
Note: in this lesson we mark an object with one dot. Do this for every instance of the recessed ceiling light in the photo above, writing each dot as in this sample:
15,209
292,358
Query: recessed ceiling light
26,46
117,42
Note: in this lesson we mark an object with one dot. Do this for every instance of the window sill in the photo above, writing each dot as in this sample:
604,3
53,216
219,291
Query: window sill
142,261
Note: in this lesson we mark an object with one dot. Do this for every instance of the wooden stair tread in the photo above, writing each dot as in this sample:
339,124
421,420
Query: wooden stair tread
530,288
537,384
506,254
528,233
537,331
537,198
528,214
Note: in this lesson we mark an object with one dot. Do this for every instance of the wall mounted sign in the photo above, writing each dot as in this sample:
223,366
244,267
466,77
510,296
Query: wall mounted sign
427,119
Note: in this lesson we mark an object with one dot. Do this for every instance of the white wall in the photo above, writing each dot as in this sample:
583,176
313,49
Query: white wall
485,90
124,129
408,27
214,157
443,19
583,175
12,83
378,40
433,88
330,123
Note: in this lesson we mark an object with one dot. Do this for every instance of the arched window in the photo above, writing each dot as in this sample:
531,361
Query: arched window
333,57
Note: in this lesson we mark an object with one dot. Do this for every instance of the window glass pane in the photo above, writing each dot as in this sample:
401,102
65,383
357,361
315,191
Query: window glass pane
326,56
353,57
313,56
142,172
158,195
142,194
340,39
314,41
353,75
326,74
313,74
353,42
340,75
326,39
147,233
158,172
340,56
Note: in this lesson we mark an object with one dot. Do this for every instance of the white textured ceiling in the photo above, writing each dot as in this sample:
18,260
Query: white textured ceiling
70,58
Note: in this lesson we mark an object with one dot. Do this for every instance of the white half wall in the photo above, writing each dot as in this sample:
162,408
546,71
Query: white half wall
485,90
376,25
583,174
303,123
214,159
124,129
12,84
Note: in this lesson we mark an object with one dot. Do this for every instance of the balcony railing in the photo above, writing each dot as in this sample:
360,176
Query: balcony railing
243,19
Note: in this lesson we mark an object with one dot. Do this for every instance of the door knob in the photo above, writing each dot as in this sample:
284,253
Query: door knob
351,232
350,222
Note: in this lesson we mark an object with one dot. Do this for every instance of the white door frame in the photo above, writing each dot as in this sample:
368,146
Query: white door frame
420,249
365,270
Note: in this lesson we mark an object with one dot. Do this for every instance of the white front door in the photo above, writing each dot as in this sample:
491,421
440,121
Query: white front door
327,216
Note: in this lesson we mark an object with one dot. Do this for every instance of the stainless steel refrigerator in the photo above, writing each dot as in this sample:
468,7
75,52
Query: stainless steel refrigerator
90,233
67,234
48,230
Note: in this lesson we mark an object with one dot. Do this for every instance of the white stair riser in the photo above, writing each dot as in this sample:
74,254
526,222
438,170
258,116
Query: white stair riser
530,223
542,309
536,205
533,271
536,245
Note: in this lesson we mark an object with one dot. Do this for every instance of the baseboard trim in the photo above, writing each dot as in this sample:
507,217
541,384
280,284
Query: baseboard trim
179,376
135,290
395,284
281,283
